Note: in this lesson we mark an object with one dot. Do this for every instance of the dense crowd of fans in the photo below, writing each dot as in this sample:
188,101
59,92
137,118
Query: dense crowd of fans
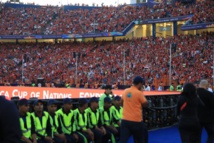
103,62
204,12
56,20
25,21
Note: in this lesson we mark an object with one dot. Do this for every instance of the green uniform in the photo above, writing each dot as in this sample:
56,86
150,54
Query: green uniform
107,120
116,115
93,118
101,100
179,88
67,85
56,127
171,88
42,125
66,121
106,117
27,125
81,122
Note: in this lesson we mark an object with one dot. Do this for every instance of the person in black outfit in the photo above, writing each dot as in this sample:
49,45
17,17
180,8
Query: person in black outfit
206,109
189,125
10,131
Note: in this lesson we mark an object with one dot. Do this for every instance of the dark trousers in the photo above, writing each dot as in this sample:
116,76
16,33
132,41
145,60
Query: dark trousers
98,136
118,137
209,127
190,135
128,128
82,135
57,140
115,133
38,141
107,137
43,141
110,135
70,139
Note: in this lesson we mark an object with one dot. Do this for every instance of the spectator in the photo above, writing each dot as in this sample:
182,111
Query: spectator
189,124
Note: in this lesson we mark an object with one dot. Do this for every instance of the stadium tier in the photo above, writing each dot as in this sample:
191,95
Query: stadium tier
57,20
98,63
101,63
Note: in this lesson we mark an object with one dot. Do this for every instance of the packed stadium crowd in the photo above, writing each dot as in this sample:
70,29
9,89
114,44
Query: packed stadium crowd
25,21
56,20
103,62
98,64
203,12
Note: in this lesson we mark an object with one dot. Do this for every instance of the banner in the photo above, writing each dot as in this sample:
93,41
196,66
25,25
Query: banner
31,37
161,20
198,26
20,5
63,36
59,93
51,36
73,7
167,28
69,36
11,37
89,35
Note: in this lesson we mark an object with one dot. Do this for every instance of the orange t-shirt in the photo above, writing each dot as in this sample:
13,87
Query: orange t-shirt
132,104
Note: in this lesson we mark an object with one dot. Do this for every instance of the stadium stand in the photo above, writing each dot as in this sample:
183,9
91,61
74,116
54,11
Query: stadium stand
25,21
203,12
103,62
56,20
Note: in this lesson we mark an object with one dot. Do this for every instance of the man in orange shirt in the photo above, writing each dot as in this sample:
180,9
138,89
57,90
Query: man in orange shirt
132,119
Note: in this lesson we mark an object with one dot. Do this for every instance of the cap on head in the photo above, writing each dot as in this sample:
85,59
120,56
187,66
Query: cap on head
36,102
52,101
93,99
22,102
107,100
138,79
82,101
67,101
117,98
